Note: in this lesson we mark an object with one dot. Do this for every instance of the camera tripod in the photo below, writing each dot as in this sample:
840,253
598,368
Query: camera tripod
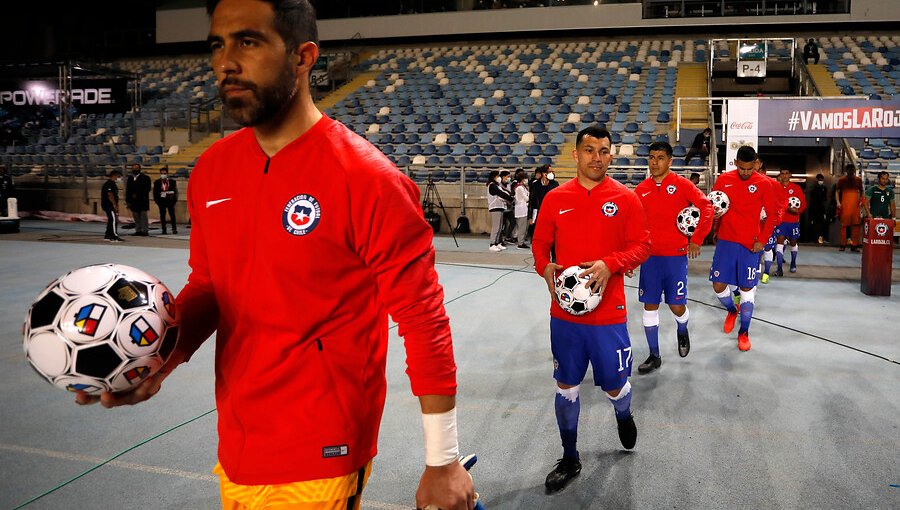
428,202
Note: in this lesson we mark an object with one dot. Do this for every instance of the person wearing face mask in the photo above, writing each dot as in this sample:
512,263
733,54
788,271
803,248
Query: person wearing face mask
818,201
137,197
109,202
544,182
165,194
507,230
497,199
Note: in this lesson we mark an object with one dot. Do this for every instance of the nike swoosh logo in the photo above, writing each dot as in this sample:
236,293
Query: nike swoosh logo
210,203
728,185
564,211
645,194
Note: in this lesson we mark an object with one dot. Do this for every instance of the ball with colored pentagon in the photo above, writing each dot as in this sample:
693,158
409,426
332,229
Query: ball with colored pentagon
101,328
571,293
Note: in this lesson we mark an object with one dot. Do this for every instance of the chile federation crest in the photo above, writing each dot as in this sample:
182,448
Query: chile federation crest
301,215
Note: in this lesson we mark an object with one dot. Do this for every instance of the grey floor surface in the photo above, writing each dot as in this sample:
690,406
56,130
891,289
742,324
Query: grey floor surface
809,418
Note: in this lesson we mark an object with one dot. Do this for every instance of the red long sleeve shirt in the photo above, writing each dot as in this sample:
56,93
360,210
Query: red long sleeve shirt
781,199
662,202
296,261
793,190
741,223
608,223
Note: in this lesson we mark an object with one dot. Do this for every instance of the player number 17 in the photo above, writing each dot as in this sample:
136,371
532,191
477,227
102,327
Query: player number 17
627,358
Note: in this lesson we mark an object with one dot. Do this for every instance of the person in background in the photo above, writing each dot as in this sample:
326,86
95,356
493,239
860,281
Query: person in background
137,198
695,179
818,209
165,194
811,51
521,208
700,146
7,190
848,197
880,198
109,202
497,200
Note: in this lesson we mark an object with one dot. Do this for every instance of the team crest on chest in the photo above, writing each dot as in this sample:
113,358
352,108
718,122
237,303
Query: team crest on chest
790,191
751,188
610,209
880,229
670,189
301,215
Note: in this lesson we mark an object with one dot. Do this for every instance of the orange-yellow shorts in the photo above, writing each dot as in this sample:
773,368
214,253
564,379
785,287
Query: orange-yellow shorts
340,493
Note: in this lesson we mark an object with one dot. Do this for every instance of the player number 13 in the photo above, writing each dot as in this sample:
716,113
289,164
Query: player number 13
627,358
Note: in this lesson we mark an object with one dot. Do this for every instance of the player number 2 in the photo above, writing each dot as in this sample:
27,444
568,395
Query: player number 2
627,358
751,273
679,289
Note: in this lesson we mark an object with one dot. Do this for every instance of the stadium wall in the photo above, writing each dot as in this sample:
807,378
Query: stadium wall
190,25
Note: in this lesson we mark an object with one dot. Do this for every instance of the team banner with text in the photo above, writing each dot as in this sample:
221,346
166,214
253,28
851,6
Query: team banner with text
838,118
89,95
743,127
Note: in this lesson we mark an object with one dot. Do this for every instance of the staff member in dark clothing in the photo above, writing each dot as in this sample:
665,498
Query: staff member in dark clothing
109,202
543,183
700,147
137,197
811,51
165,194
818,208
6,190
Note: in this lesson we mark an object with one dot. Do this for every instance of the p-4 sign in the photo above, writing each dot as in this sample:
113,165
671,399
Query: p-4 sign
751,69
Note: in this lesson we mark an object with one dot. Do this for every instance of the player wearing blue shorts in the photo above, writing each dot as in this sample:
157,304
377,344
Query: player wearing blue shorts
736,259
596,223
769,248
790,226
664,195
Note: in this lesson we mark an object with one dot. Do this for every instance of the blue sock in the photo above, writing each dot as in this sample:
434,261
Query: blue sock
746,315
623,404
652,333
780,256
768,266
728,302
682,326
793,258
567,418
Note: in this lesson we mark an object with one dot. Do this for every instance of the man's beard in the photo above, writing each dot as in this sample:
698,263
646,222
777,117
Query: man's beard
265,103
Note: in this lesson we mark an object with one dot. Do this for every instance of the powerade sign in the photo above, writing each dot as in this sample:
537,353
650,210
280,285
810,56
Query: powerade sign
852,118
95,95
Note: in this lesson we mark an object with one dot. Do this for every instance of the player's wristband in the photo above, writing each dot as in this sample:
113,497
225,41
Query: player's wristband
441,444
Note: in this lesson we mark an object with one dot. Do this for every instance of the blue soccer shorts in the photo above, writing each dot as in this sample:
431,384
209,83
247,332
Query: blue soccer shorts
664,275
770,244
734,264
788,230
607,348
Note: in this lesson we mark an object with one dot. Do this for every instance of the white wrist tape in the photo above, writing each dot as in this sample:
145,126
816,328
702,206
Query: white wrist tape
441,443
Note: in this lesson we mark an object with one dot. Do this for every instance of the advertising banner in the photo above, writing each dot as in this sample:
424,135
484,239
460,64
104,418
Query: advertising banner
89,95
838,118
743,128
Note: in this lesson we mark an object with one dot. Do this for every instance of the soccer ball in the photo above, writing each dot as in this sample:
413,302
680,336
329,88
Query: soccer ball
688,219
572,295
720,202
101,328
794,202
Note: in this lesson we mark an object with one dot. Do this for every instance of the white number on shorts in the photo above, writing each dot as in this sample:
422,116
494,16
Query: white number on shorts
627,358
680,289
751,273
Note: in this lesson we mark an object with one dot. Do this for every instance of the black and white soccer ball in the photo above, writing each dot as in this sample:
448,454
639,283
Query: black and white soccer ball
571,293
794,202
720,202
687,220
101,328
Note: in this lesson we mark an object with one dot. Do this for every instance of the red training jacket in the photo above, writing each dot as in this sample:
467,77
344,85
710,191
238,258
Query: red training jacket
296,261
607,222
662,202
741,223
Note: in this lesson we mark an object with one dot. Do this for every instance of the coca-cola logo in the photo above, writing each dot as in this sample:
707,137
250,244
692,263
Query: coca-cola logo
742,125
